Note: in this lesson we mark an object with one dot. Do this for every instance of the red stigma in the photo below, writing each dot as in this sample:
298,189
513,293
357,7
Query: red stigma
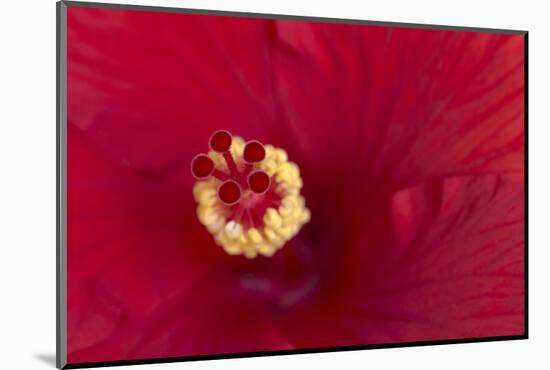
254,152
229,192
220,141
259,182
202,166
241,181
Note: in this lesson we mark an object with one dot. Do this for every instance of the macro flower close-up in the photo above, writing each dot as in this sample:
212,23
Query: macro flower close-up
248,185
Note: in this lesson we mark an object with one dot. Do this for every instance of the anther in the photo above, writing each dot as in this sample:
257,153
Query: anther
259,182
229,192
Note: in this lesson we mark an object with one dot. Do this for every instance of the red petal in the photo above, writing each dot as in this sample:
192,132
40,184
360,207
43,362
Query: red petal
405,252
453,267
139,83
129,246
403,105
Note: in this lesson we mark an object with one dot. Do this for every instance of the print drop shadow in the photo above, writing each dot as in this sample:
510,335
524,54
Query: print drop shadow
47,358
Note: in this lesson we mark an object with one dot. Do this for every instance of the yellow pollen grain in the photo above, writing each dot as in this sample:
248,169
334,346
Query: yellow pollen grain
287,189
254,235
219,162
233,249
281,156
207,215
270,166
271,235
266,250
279,224
249,251
272,218
285,231
294,216
288,205
208,197
200,187
306,216
237,146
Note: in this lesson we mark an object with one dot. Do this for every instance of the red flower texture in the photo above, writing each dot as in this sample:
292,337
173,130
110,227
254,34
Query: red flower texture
410,145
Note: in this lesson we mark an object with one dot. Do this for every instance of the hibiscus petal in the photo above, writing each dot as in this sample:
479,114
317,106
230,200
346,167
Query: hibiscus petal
140,82
457,272
131,246
402,104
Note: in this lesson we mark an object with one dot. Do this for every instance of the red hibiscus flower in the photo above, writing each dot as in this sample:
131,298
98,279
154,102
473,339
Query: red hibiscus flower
410,147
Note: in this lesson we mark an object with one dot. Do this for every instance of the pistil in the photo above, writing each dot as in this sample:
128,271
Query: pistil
248,195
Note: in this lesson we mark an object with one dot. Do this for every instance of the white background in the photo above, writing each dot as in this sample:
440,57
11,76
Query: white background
27,182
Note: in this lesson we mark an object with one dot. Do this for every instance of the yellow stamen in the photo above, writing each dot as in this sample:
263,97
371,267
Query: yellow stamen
279,224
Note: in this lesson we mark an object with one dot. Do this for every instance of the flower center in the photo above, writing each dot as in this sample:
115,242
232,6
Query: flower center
248,195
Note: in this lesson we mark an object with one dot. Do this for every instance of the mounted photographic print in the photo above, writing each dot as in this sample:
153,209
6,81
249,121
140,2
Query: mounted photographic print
234,184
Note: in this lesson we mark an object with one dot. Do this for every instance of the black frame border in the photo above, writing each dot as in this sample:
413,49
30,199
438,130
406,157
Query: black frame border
61,156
